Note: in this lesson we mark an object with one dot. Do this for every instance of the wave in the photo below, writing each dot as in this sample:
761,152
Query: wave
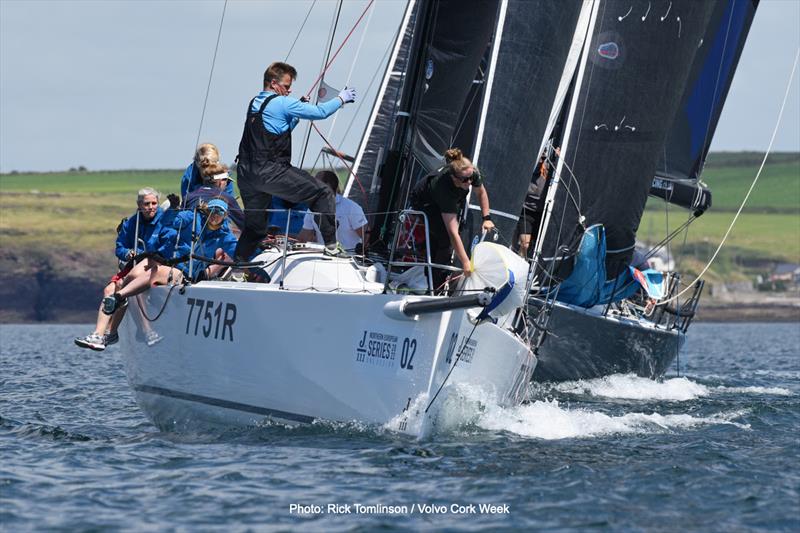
776,391
547,419
632,387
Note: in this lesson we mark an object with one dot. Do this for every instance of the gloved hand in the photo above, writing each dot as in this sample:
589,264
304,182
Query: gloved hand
348,94
304,99
174,200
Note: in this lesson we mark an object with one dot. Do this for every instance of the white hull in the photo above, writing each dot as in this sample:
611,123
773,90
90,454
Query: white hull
240,353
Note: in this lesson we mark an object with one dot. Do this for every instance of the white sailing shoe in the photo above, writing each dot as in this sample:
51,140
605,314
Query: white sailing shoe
92,341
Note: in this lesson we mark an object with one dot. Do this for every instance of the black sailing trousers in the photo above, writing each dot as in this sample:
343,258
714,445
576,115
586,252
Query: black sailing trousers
260,180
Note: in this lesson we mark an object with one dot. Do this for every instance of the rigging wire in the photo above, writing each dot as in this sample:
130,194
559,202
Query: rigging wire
750,190
458,357
347,37
349,168
303,25
362,100
210,76
331,36
353,66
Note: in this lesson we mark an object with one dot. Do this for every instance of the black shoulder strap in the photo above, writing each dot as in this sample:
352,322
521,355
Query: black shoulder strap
260,111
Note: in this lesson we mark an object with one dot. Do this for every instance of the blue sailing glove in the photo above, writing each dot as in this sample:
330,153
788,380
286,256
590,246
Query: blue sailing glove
348,94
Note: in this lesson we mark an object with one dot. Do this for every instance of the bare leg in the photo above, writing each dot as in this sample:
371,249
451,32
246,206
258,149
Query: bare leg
214,270
102,318
116,319
146,275
524,244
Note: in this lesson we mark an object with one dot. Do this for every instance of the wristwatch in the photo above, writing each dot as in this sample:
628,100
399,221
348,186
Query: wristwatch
487,218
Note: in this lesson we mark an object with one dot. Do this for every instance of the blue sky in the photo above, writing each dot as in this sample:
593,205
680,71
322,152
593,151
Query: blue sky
120,84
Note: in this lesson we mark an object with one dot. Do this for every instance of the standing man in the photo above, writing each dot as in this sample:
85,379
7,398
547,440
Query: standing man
265,155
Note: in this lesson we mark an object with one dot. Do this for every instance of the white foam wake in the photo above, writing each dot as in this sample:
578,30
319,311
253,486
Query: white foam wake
776,391
631,387
547,419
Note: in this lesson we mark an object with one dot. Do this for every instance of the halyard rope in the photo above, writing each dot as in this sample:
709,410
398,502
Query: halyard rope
752,186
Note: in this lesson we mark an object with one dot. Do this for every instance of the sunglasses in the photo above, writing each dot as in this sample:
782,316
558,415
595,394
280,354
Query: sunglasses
464,179
217,211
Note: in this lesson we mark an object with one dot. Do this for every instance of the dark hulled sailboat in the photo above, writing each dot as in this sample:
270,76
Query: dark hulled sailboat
646,68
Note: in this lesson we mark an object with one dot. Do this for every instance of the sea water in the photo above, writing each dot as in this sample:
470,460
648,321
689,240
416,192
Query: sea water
712,449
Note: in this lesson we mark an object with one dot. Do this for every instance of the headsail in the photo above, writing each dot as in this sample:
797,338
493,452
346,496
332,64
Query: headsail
627,91
687,144
377,135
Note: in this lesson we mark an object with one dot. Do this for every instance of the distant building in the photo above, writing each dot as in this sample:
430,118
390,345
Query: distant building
787,272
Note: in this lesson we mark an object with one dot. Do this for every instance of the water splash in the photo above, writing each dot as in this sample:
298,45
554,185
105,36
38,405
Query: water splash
775,391
467,408
632,387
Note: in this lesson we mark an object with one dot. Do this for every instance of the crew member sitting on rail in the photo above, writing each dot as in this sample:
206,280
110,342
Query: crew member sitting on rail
206,154
214,239
442,196
265,154
142,232
350,220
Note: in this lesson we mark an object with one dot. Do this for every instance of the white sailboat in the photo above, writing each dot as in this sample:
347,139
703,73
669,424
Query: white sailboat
323,342
329,338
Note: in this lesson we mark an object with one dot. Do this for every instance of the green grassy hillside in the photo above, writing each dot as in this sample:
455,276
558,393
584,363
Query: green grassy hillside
76,212
767,230
778,189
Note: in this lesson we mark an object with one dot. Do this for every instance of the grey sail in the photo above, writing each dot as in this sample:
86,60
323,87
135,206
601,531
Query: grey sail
417,113
627,92
528,57
364,186
685,150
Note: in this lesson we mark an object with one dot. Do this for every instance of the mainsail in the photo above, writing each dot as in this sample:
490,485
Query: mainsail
462,83
529,54
627,91
686,147
421,99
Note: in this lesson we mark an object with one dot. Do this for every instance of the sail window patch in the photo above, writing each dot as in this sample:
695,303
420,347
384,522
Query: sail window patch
608,50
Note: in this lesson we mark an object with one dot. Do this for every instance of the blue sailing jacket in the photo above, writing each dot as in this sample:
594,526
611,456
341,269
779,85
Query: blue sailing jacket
153,236
283,112
191,180
207,243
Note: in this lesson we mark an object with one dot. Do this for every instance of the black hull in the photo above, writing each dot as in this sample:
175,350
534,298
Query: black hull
582,345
